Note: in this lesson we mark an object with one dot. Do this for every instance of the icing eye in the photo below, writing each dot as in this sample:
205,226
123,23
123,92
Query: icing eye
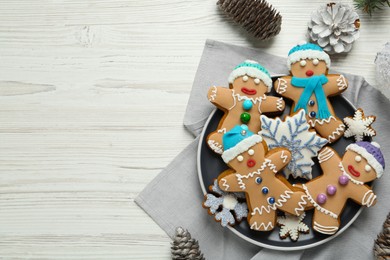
315,62
302,63
257,81
251,152
245,78
240,158
367,168
358,158
258,180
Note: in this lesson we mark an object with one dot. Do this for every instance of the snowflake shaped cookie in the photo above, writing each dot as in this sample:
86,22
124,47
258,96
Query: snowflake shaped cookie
293,133
225,206
291,226
359,125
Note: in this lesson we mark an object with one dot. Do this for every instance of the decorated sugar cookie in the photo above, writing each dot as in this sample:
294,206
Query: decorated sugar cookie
291,226
309,87
227,208
253,171
244,101
359,125
343,178
293,134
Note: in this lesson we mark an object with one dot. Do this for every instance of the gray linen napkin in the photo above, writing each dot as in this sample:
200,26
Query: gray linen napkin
174,197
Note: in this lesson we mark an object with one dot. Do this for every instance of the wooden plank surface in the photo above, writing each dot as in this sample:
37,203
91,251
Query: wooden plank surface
92,98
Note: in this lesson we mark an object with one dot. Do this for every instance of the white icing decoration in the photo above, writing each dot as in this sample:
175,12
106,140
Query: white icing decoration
368,198
294,134
224,184
251,152
258,100
318,207
325,155
215,146
213,94
255,226
278,203
367,168
222,130
229,202
376,145
283,157
301,204
315,62
291,226
359,126
240,158
341,82
257,81
339,130
321,121
308,54
358,158
349,176
245,78
302,63
328,230
241,147
369,157
279,104
266,163
282,86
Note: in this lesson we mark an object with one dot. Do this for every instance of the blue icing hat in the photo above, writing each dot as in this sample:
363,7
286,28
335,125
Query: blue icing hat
252,69
307,51
238,140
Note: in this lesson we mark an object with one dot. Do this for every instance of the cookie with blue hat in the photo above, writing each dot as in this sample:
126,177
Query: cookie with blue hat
342,179
254,170
309,87
244,101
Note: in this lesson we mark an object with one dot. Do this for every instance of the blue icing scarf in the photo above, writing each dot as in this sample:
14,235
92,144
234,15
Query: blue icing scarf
310,85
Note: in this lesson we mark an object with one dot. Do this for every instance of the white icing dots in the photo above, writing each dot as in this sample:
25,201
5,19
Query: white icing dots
367,168
315,62
358,158
257,81
240,158
245,78
302,63
229,202
251,152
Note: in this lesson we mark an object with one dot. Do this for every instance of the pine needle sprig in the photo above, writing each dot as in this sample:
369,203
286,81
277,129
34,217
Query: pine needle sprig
369,6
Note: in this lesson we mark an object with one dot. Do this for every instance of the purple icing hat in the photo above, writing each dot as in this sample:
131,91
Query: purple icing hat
372,153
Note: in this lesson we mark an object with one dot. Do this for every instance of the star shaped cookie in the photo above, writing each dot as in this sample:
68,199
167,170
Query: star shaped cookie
291,226
359,125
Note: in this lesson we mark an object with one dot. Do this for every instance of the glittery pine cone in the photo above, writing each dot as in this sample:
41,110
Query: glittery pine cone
184,247
334,27
257,17
382,243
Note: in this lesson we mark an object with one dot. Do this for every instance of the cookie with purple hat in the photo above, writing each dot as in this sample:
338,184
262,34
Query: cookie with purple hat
342,179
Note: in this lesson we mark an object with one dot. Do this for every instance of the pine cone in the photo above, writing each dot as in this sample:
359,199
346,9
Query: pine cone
184,247
334,27
257,17
382,243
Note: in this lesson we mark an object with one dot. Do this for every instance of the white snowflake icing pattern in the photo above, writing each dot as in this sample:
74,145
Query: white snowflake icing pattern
225,204
359,125
291,226
293,134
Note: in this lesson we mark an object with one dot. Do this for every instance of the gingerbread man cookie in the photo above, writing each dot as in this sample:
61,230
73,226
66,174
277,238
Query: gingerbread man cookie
254,171
309,87
244,101
343,178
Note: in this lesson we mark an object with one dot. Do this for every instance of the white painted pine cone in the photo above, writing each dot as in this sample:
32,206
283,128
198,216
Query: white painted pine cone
334,27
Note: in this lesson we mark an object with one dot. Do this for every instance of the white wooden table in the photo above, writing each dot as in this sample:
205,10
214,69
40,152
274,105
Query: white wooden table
92,98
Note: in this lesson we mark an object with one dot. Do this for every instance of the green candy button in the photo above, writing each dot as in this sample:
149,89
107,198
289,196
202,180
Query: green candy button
245,117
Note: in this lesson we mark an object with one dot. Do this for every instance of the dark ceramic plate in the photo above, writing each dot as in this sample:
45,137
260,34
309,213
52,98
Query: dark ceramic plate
210,165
